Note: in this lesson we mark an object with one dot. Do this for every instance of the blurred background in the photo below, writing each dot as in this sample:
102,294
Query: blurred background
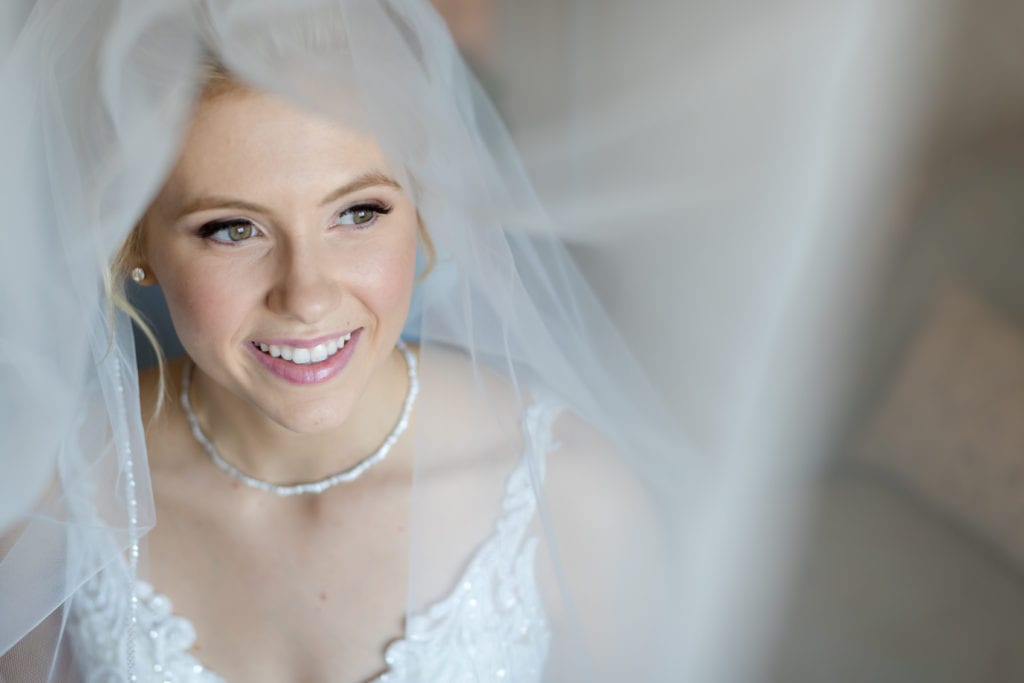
852,180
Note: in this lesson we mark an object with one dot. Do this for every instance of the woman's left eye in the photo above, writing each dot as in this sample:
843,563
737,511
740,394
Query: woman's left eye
362,215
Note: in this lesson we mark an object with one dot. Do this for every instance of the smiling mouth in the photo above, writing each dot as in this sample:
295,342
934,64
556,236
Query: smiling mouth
304,356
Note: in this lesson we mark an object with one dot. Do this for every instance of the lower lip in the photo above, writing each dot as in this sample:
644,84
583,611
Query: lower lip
310,373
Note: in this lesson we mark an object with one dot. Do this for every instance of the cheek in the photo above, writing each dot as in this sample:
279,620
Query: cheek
205,307
388,279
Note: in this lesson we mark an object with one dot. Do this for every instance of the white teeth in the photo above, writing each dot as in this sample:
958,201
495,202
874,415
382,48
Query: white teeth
304,356
318,353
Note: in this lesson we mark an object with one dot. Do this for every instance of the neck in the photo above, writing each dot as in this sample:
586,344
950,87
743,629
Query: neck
260,447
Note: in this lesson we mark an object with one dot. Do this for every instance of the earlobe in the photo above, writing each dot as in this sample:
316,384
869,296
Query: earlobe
139,276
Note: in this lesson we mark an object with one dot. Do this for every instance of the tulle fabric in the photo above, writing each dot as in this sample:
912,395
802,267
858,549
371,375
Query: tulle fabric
658,553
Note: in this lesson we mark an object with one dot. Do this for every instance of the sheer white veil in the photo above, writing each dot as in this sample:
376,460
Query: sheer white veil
663,535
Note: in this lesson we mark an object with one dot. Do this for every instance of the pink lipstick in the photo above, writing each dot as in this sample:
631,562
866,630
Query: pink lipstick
306,361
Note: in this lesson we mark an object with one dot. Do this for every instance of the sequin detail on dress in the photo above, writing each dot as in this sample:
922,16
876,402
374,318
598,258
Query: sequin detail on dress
491,628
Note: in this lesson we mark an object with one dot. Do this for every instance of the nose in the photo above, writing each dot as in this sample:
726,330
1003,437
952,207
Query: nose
305,288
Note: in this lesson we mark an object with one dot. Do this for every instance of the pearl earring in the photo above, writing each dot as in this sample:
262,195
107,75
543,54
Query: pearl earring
138,274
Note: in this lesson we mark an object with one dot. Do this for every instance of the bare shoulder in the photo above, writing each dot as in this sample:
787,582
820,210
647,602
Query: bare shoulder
595,481
480,407
464,379
465,403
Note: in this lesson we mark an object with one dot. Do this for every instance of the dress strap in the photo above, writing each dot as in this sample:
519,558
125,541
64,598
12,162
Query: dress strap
527,479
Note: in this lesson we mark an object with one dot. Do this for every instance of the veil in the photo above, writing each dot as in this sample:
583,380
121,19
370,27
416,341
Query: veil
662,527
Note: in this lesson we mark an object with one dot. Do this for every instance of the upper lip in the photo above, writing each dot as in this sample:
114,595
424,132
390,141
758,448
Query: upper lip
303,343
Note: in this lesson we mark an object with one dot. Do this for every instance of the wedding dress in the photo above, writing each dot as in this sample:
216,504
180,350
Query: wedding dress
492,627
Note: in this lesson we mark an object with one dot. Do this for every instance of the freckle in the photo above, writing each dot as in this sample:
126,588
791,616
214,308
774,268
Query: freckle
323,597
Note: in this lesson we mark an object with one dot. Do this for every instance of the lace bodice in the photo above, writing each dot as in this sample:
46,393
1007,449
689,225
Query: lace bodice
492,627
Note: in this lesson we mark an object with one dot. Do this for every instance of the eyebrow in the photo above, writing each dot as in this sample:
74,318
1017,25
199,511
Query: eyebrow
370,179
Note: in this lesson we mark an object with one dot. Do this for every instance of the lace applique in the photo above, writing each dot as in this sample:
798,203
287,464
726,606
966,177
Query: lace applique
99,623
492,627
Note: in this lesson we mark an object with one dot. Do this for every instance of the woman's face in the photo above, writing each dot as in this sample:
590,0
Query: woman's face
286,252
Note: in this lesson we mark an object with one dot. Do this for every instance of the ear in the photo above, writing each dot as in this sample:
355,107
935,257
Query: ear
142,276
131,258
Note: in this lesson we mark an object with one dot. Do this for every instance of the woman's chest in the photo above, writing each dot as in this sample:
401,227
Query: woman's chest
258,592
285,592
491,627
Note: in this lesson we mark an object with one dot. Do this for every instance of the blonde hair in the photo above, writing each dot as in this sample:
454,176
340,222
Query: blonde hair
217,82
126,259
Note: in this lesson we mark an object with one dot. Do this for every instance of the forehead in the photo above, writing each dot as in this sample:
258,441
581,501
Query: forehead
250,142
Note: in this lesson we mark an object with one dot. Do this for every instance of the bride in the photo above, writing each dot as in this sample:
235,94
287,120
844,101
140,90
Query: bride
304,495
286,252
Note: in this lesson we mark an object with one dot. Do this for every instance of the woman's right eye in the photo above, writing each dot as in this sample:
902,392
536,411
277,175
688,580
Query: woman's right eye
228,232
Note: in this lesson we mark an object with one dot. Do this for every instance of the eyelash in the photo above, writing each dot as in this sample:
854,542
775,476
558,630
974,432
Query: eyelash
208,230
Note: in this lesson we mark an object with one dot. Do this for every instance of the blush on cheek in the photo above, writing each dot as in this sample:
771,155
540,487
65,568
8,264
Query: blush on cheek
392,289
199,312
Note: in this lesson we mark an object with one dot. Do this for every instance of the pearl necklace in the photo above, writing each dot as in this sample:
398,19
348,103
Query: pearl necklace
321,485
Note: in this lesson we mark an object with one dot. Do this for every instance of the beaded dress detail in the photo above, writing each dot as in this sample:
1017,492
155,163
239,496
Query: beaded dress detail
491,628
